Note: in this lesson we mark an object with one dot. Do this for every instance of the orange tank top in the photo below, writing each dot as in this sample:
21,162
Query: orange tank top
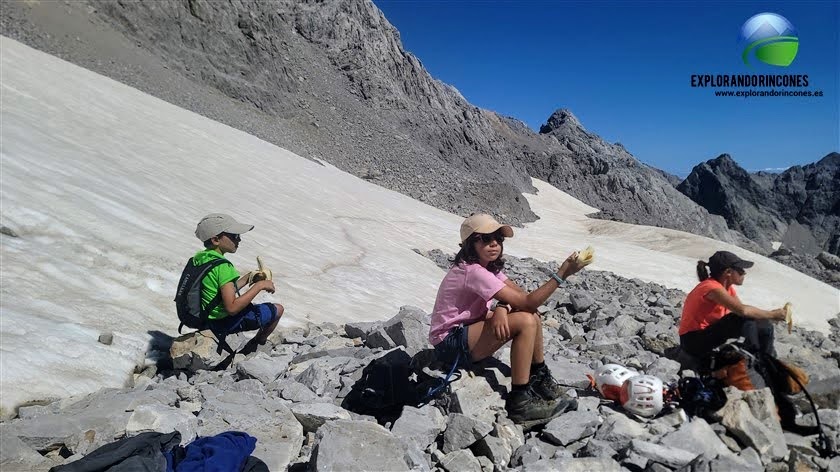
698,312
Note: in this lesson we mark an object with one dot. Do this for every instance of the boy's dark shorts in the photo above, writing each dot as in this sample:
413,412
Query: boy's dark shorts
455,342
251,318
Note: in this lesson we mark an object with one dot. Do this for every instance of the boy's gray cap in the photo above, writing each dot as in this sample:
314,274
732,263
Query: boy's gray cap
216,223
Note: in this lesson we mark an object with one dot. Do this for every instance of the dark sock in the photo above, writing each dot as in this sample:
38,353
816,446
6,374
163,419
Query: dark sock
537,367
519,388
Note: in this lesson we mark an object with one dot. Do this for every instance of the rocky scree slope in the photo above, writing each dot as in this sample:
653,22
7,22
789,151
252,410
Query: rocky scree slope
289,394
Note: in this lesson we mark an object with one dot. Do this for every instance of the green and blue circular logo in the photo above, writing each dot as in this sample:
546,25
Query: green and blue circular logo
770,38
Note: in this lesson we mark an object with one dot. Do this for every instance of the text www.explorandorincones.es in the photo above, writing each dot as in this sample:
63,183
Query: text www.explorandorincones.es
768,93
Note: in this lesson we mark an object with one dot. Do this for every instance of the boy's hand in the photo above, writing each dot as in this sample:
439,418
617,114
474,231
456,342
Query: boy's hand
266,285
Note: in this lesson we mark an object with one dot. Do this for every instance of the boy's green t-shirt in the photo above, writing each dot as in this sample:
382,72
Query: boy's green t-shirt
213,281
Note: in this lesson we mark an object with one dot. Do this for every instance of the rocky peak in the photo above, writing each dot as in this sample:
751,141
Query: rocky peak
561,119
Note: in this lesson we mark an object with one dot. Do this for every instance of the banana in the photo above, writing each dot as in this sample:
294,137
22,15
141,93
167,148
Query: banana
262,272
587,256
789,316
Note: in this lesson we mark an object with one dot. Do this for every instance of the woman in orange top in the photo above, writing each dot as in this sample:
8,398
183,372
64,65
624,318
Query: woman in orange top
713,312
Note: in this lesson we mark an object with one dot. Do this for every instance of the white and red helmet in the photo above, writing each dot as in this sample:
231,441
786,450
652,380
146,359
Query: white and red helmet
642,395
609,378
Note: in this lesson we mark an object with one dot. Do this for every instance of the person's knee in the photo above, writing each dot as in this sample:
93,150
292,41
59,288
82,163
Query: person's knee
524,321
280,310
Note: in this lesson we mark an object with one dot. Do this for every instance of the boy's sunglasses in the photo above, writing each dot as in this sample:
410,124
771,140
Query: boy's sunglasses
233,237
487,238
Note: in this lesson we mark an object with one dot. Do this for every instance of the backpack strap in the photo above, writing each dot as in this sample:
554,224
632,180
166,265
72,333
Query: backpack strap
824,446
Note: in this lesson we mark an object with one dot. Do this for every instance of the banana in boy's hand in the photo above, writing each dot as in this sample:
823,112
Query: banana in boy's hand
262,272
789,316
587,256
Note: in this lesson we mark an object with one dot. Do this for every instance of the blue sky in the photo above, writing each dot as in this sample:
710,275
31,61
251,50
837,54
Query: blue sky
624,70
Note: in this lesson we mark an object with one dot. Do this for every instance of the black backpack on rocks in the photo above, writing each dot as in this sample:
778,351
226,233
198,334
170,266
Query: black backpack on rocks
387,384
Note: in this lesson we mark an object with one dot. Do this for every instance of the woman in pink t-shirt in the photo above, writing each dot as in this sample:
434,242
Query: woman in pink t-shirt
713,312
478,310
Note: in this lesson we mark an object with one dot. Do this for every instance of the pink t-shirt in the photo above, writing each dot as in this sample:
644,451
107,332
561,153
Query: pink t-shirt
463,298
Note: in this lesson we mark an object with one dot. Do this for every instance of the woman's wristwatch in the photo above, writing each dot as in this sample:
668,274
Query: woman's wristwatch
498,304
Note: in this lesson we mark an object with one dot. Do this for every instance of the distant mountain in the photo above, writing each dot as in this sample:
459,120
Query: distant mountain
331,80
799,207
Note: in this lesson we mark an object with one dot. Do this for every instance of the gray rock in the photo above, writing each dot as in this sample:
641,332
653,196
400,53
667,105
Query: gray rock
296,392
571,426
279,434
105,413
618,430
625,325
312,415
409,328
356,446
322,375
633,460
665,369
416,459
525,454
361,329
658,339
474,397
670,456
588,404
16,455
732,462
462,460
495,449
565,372
106,338
379,338
462,431
263,368
486,464
741,423
419,426
197,351
569,330
162,419
580,464
511,434
697,437
8,231
599,448
581,300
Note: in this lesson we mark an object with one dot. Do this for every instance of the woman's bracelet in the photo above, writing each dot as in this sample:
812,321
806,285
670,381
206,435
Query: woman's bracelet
557,278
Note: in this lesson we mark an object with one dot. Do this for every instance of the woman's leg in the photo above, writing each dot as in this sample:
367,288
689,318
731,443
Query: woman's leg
539,355
523,326
702,342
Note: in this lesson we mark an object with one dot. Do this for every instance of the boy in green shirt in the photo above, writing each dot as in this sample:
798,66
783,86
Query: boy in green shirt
220,234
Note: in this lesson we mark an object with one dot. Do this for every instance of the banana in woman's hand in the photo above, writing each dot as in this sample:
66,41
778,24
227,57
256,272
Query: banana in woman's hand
262,272
587,256
789,316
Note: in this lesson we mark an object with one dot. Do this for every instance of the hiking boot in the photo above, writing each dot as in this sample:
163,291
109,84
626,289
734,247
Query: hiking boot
525,407
545,386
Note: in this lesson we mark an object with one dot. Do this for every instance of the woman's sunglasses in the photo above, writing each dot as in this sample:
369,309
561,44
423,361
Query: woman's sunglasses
488,238
739,270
